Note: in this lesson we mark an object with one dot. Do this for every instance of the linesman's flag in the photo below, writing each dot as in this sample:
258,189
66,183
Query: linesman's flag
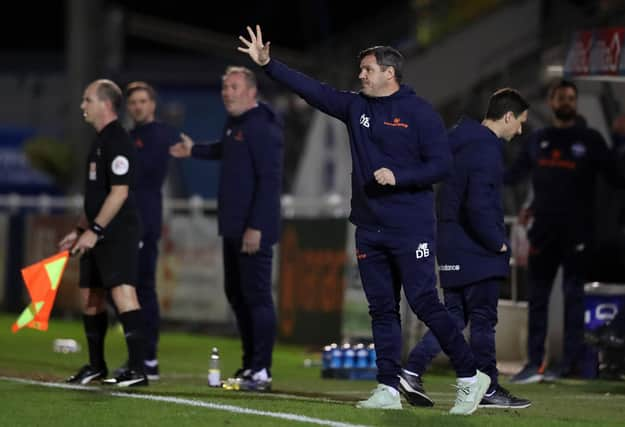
42,281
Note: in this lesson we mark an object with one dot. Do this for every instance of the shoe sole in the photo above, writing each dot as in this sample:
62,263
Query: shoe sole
153,377
379,407
505,406
131,383
414,397
530,380
88,379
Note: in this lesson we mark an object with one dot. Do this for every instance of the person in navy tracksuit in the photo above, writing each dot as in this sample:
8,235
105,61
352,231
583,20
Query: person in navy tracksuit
251,154
399,149
152,140
564,160
472,247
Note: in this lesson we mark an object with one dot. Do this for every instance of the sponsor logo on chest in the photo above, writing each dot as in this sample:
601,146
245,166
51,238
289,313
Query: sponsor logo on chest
396,123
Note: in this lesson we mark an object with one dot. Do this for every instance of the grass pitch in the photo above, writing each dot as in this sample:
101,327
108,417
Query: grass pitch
299,397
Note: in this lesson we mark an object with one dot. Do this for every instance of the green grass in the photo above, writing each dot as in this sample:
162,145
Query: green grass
297,390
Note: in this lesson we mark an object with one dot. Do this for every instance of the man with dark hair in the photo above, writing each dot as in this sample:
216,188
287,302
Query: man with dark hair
251,151
107,237
472,247
152,140
564,160
386,57
399,150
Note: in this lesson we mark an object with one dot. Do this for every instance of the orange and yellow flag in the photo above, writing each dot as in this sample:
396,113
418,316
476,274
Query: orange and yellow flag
42,281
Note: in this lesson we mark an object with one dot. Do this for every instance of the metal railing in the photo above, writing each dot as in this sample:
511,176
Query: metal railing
330,206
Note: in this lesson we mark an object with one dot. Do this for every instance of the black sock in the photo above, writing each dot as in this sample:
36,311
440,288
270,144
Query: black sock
95,330
132,322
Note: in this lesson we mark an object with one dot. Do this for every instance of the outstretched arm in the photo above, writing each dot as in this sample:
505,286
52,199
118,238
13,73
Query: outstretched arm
187,148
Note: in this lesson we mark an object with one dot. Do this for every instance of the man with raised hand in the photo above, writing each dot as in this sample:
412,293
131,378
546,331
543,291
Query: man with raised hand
399,150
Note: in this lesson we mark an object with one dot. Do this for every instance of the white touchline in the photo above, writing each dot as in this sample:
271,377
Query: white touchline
189,402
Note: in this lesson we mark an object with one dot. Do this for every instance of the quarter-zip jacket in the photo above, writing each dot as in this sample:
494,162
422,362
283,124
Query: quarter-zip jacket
401,132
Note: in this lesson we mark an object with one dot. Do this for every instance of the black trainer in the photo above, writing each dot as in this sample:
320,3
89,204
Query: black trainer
128,378
86,374
252,381
119,371
242,373
151,372
412,389
503,399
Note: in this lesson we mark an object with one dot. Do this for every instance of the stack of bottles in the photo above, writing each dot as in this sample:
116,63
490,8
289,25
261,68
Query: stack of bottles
352,362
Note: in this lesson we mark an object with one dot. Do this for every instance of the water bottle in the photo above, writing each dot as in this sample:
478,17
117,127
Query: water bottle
214,373
372,356
348,356
327,357
362,356
337,357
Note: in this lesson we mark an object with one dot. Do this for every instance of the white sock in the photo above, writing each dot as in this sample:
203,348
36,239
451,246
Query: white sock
470,380
391,390
414,374
261,375
151,363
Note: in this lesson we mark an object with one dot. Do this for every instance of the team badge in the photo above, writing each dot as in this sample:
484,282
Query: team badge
92,171
120,165
544,144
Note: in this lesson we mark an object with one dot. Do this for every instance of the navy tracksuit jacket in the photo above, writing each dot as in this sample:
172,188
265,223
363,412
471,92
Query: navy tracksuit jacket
152,141
564,163
395,235
250,150
251,154
471,233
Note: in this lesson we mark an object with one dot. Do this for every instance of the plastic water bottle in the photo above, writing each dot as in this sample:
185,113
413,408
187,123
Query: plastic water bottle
337,357
348,356
372,356
214,372
362,356
326,357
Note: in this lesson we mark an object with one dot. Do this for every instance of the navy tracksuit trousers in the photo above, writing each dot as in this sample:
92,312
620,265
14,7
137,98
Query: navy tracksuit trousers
552,246
476,304
146,294
386,262
248,289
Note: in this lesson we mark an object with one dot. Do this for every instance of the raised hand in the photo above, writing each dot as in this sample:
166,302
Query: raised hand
254,47
183,148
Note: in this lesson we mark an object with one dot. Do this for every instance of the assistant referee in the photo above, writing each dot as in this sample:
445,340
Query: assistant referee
107,238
